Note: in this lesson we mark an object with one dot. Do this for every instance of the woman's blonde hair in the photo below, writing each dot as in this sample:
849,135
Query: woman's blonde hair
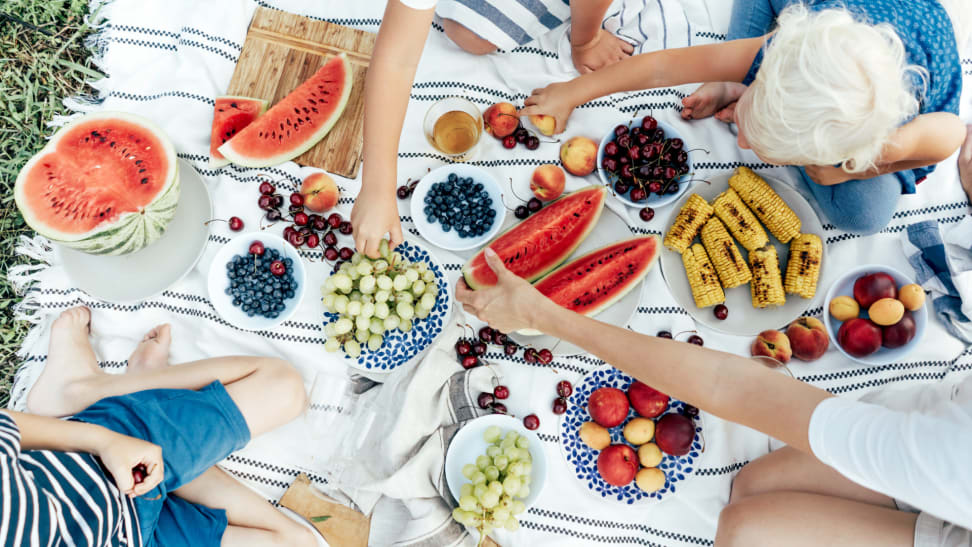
831,90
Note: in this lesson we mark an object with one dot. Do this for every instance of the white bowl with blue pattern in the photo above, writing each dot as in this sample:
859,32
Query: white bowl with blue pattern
400,347
582,459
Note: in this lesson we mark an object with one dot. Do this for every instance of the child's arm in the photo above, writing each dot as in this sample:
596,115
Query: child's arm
591,46
119,453
398,49
726,62
926,140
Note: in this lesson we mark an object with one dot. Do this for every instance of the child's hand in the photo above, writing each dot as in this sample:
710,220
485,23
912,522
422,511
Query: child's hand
374,215
511,304
605,49
553,100
827,175
121,454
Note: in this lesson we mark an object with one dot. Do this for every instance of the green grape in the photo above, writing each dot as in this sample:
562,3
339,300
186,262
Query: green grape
427,301
405,310
495,487
367,299
341,304
512,524
478,477
328,301
356,259
384,283
418,287
491,434
527,469
328,286
523,442
342,282
329,330
525,479
380,265
345,267
396,258
331,345
489,500
377,326
353,274
479,490
482,462
364,268
381,310
467,503
510,453
501,462
466,489
367,284
400,283
361,322
518,507
508,442
352,348
491,451
354,307
420,266
422,313
524,455
392,322
492,473
361,336
375,341
506,502
428,276
523,492
468,470
511,485
515,469
406,325
383,248
404,296
368,310
501,515
382,296
343,326
355,296
412,276
459,515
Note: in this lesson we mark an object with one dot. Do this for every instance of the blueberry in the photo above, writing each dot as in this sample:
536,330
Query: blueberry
478,187
277,293
290,294
452,177
446,227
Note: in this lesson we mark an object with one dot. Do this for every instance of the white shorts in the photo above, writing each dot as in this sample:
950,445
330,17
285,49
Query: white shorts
931,531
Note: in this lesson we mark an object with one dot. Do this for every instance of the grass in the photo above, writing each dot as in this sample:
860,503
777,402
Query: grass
42,61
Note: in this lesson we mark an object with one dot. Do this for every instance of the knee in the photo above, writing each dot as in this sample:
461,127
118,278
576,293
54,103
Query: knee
467,40
737,524
743,486
286,385
296,536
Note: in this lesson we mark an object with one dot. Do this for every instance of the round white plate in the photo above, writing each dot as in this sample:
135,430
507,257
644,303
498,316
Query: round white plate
468,443
432,232
218,281
321,542
149,271
844,286
610,228
744,319
400,347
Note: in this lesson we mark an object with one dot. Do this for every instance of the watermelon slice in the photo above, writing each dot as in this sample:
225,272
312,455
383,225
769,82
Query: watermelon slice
230,116
600,278
105,184
541,242
298,122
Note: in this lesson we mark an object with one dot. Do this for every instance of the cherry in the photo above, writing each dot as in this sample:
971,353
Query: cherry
635,131
648,123
634,153
402,192
345,253
682,169
294,209
559,405
620,130
257,248
485,400
690,411
670,173
695,339
657,171
655,187
673,189
499,408
611,149
509,348
334,220
534,205
274,215
331,254
499,338
521,135
650,151
509,141
721,312
664,334
626,173
610,164
412,185
681,157
277,268
345,228
647,214
676,144
265,202
266,188
530,356
638,194
624,141
564,389
623,159
521,212
479,349
531,422
470,361
330,239
532,143
658,135
300,219
642,141
287,231
463,348
278,200
296,239
319,222
545,356
139,472
486,334
313,240
297,199
501,392
235,224
621,187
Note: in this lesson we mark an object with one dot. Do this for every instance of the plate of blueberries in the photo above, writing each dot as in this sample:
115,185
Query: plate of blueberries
256,281
458,207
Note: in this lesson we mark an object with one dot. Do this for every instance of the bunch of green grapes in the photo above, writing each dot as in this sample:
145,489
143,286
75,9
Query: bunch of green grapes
499,482
371,297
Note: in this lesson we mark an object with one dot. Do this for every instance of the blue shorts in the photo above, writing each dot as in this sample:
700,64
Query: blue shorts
196,429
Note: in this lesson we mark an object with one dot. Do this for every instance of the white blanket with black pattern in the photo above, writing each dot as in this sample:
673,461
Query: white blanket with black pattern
167,60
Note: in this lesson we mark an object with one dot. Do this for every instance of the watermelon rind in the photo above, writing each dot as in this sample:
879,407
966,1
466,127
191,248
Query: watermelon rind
240,157
131,231
553,261
216,163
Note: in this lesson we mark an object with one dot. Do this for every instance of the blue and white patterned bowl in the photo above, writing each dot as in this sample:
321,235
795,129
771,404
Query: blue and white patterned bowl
400,347
582,459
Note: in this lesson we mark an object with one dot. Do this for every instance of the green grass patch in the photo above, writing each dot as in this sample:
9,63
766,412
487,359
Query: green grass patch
42,61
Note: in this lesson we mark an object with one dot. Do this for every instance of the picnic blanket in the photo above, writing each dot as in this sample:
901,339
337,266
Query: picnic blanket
167,60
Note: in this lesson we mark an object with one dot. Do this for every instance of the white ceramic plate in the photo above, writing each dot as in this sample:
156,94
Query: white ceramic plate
149,271
844,286
432,232
744,319
609,229
218,281
468,443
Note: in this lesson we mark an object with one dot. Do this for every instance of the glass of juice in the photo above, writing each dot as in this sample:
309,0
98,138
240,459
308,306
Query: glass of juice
453,126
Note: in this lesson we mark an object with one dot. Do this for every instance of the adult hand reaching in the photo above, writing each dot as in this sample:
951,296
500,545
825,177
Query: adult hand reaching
511,304
375,214
553,100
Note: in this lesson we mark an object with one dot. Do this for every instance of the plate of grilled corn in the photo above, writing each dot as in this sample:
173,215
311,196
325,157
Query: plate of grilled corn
743,254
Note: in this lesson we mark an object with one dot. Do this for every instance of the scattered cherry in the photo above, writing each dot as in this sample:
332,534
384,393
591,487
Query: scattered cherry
531,356
638,194
334,220
485,400
479,349
463,348
139,472
235,224
294,209
531,422
690,411
648,123
532,143
345,253
319,222
300,219
559,405
345,228
486,334
501,392
330,239
720,312
312,241
265,202
499,408
296,239
278,200
647,214
521,212
509,141
564,389
277,268
545,356
534,205
402,192
664,334
470,361
274,215
266,188
297,199
331,254
696,339
257,248
287,231
499,338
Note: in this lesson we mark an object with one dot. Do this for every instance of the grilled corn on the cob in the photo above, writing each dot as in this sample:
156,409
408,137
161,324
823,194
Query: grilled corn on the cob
724,254
767,204
702,277
803,266
766,287
740,221
688,223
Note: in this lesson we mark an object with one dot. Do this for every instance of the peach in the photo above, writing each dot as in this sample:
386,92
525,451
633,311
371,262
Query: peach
320,192
674,434
912,296
617,464
649,455
843,308
501,120
544,123
639,431
608,406
808,338
594,435
650,480
773,344
870,288
579,154
647,401
548,182
859,337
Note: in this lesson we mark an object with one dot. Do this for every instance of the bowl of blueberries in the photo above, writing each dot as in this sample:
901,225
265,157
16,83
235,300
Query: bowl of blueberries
256,281
645,162
458,207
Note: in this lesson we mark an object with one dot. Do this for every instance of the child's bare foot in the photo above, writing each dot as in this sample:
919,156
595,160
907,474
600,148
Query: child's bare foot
70,363
153,351
965,163
711,98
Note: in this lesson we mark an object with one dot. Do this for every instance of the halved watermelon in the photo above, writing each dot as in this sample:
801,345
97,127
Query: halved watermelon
298,122
541,242
600,278
105,184
230,115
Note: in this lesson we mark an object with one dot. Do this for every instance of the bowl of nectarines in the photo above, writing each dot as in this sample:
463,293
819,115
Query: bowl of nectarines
875,314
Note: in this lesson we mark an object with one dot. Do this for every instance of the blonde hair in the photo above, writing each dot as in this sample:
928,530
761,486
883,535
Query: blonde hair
830,90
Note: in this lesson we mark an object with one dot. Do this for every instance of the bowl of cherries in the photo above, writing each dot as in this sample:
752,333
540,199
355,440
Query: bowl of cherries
645,162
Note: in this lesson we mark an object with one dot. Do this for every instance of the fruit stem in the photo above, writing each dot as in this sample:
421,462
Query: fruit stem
215,220
514,192
685,332
702,149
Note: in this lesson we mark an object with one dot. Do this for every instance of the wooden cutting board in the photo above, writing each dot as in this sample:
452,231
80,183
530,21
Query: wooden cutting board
343,527
281,51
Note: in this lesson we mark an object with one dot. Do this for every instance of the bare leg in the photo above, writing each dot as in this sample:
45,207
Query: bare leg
466,39
153,351
797,519
69,359
965,163
713,97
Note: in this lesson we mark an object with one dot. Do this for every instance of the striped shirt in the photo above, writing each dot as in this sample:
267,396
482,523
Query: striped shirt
59,498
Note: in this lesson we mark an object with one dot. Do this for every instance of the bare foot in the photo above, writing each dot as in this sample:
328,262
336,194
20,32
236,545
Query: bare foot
153,351
712,97
965,163
70,364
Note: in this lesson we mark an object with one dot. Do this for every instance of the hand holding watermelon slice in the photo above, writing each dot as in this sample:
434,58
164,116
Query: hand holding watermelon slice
511,304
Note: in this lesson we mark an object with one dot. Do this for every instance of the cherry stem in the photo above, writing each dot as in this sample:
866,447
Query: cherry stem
685,332
694,149
514,192
215,220
503,199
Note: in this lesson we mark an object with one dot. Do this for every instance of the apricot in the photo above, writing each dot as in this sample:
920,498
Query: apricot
650,479
912,296
844,308
886,311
